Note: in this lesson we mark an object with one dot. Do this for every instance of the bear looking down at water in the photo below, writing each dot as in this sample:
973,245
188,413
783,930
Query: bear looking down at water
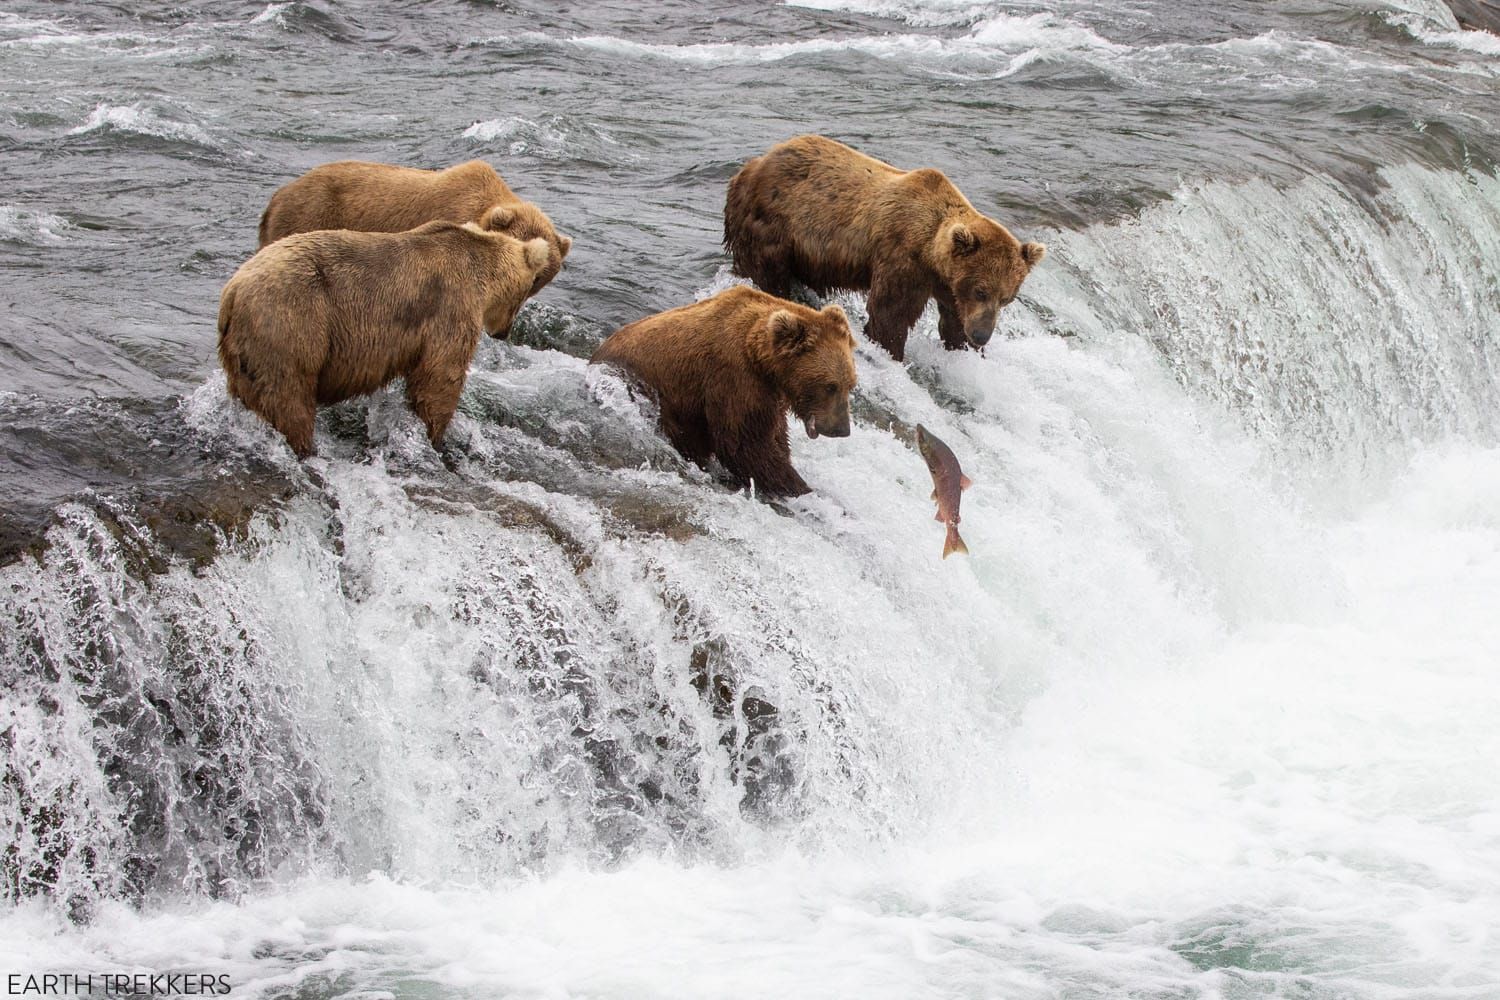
726,370
319,317
815,211
380,198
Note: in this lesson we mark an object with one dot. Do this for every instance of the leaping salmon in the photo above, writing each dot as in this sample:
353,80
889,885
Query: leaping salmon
948,484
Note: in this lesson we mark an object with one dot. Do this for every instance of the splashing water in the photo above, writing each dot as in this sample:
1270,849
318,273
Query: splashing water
1208,712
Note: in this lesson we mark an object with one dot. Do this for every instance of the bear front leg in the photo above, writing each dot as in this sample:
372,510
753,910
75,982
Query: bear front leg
950,327
771,475
770,269
432,391
894,303
759,455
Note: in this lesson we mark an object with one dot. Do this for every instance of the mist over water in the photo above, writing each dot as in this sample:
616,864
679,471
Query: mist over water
1209,711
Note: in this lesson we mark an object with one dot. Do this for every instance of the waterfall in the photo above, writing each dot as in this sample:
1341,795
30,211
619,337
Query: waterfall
574,650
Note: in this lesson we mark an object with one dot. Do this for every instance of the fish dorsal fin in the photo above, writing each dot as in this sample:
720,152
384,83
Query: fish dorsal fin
964,482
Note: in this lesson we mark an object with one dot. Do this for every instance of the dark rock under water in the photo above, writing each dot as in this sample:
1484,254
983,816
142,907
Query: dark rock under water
136,459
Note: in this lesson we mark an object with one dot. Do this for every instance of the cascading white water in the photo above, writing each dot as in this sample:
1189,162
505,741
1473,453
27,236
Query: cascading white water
1330,322
1177,712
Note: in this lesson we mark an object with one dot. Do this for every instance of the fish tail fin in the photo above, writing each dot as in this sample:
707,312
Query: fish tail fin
953,543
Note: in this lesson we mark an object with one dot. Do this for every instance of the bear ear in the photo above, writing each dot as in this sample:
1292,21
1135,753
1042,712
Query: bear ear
789,336
564,244
536,253
837,314
965,240
1033,252
498,219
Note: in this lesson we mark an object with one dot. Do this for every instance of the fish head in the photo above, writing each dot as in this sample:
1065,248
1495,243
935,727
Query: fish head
924,442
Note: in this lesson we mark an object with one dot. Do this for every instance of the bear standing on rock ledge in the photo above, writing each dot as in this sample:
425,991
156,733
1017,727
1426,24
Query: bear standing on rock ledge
726,370
816,211
381,198
320,317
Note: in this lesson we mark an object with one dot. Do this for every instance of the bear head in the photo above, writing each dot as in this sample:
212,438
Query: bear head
982,265
516,268
809,355
524,221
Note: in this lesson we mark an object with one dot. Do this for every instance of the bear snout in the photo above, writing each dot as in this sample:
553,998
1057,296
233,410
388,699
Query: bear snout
834,423
500,331
980,332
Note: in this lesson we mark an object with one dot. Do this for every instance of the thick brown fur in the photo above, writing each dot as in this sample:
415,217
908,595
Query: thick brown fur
380,198
319,317
815,211
726,370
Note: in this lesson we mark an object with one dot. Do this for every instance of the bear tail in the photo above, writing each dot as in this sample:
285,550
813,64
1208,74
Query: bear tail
737,208
229,354
226,314
265,226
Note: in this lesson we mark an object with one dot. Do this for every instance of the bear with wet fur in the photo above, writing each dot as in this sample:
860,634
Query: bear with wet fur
725,371
320,317
381,198
815,211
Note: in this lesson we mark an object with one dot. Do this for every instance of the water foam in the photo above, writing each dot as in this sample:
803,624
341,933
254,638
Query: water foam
740,54
274,13
1290,808
992,38
551,137
1435,24
999,45
138,120
1272,344
917,13
1481,42
24,225
54,37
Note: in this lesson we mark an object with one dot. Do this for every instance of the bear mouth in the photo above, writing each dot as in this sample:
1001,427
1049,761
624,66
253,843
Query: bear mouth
812,428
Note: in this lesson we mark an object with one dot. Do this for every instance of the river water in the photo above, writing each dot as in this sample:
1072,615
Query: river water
1210,711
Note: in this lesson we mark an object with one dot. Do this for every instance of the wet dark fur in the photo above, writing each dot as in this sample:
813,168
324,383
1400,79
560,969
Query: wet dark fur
815,211
726,370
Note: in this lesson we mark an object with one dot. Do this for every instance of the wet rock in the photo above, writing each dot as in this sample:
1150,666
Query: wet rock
135,465
456,494
762,754
653,514
542,325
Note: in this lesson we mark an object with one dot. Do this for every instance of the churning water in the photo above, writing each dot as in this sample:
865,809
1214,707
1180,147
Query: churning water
1211,711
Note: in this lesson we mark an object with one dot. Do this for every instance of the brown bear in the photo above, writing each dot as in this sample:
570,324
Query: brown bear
319,317
726,370
380,198
814,210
